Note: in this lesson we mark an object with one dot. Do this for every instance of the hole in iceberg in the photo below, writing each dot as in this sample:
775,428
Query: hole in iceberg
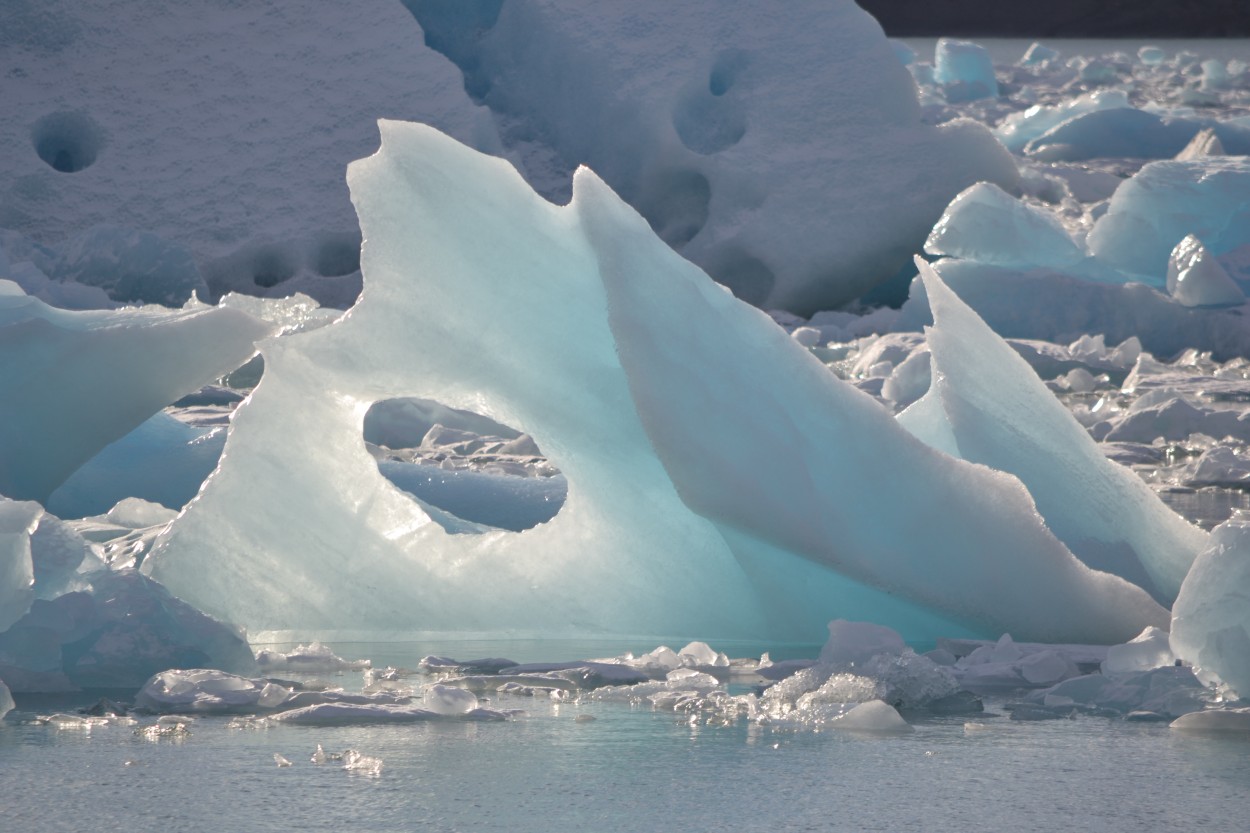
470,473
676,205
67,141
271,265
336,254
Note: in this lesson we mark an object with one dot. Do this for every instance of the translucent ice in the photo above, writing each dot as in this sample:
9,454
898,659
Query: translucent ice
986,224
17,577
1148,650
774,505
445,699
873,716
1214,720
1018,129
6,700
733,144
1000,414
964,69
204,690
1211,620
1196,278
56,413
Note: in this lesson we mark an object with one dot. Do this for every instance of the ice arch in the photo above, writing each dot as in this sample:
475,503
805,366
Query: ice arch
578,323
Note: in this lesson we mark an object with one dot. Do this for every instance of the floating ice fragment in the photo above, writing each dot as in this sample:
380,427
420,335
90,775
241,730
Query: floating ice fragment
280,761
1211,620
445,699
964,69
874,716
209,691
1196,278
313,657
6,700
1214,720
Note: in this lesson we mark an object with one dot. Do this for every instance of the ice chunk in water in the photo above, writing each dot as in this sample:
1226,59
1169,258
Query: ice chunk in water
1196,278
446,699
1211,620
1214,720
873,716
1148,650
6,700
354,761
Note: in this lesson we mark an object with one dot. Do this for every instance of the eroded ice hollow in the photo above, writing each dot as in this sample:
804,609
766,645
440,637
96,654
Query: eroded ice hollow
720,480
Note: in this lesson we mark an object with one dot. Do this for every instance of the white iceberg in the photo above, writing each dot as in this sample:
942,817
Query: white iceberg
986,224
1196,278
764,480
964,69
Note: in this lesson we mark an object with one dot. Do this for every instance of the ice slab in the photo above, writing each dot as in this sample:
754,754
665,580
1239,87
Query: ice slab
766,494
986,224
964,69
1018,129
784,154
1214,720
1148,650
1002,415
64,399
1210,620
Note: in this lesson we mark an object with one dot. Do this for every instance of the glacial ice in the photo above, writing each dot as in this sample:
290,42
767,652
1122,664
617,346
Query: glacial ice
1018,129
1196,278
1147,651
729,144
964,69
1211,620
6,700
1214,720
1126,132
17,576
43,435
986,224
999,413
1167,201
761,557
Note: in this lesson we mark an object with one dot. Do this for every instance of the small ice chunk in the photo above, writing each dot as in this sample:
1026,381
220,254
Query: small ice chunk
987,224
700,653
1205,143
1214,720
446,699
857,642
1080,380
1037,54
1151,55
1214,75
965,69
280,761
136,513
1148,650
1196,278
6,700
807,336
354,761
207,690
1046,667
873,716
312,657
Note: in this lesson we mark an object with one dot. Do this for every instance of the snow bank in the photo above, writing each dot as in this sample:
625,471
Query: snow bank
769,484
783,153
64,398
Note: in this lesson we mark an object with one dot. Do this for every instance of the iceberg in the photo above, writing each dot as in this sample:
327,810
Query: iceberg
986,224
1211,620
1196,278
964,69
732,143
999,413
167,353
762,489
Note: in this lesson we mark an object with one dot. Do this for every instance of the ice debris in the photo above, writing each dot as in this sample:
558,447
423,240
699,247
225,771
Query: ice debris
1196,278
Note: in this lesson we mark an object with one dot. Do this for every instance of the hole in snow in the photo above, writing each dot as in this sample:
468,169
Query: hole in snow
67,141
676,205
336,254
728,65
747,277
469,472
271,265
707,123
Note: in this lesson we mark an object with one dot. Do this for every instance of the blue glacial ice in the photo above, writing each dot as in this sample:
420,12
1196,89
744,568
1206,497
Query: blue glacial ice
734,504
964,69
730,144
987,401
1211,620
43,435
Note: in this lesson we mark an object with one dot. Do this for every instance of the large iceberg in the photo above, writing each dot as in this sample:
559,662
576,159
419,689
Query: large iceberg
60,365
756,499
783,153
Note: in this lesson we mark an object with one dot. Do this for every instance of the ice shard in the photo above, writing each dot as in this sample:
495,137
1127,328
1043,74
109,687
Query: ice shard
1000,414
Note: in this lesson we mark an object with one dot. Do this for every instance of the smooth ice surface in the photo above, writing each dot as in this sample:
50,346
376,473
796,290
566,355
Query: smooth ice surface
1001,415
1128,132
1148,650
1196,278
1018,129
783,153
1211,620
64,397
221,128
780,519
1167,201
873,716
986,224
1214,720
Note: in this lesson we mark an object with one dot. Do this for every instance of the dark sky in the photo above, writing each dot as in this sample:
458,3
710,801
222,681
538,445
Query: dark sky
1063,18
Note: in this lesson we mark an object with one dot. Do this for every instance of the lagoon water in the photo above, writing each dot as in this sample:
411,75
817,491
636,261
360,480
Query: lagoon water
628,769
